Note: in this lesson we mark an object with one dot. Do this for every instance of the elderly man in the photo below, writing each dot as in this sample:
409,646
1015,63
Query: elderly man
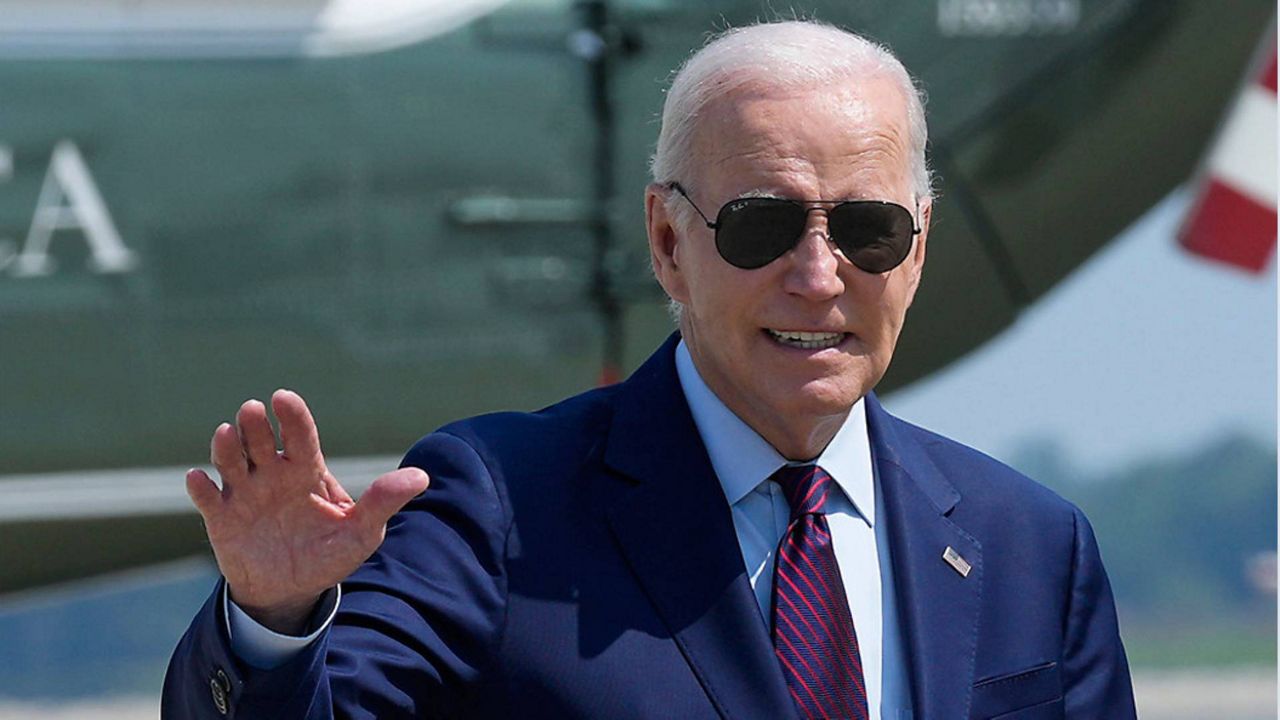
738,530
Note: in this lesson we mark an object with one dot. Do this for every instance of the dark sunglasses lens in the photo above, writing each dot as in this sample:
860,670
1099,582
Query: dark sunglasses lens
875,236
754,232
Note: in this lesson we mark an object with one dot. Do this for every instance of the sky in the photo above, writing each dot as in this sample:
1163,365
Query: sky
1144,351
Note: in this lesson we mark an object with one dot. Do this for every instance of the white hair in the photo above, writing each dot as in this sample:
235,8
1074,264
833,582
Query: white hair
790,55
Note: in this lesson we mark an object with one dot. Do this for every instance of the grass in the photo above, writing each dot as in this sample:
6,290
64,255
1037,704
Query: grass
1216,644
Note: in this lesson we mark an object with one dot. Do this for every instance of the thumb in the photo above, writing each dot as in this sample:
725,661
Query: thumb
388,494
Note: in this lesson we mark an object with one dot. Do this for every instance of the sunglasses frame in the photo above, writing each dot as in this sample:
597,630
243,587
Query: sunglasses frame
806,206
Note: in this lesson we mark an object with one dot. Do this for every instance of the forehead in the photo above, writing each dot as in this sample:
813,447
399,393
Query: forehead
844,140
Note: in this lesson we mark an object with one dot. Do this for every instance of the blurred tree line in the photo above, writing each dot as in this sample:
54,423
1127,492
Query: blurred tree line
1189,543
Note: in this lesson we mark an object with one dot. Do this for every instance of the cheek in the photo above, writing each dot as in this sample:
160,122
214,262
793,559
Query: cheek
722,298
881,311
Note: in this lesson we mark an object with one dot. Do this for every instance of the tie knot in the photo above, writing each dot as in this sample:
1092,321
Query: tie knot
805,486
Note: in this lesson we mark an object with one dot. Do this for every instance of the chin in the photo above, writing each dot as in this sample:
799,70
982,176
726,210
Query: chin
827,396
838,391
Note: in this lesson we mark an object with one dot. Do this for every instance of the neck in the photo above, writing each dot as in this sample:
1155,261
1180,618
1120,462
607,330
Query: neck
796,440
796,436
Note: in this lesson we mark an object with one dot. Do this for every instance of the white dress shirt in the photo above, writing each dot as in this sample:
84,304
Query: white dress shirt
743,461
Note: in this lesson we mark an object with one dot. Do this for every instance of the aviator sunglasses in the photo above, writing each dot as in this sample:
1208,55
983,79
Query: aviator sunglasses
752,232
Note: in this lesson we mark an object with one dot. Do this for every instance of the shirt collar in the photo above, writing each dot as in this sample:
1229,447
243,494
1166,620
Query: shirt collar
743,460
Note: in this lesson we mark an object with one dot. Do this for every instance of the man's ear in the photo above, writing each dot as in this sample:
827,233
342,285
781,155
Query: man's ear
915,261
664,243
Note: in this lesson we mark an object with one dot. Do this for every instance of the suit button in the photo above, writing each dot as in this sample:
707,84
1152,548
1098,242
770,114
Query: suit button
220,687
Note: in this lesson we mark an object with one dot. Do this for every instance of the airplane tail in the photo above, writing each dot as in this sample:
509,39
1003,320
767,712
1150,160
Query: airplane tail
1233,219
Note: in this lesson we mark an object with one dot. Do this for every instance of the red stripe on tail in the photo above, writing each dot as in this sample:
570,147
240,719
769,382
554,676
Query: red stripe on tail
1230,227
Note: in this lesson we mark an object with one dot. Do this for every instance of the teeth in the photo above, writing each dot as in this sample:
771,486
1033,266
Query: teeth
807,340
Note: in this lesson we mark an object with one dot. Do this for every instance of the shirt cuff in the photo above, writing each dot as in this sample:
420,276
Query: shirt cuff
266,649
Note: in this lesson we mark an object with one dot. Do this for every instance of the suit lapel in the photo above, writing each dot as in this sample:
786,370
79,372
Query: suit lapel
669,515
938,607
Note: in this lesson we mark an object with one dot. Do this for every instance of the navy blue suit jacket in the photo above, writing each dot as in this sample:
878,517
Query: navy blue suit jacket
581,562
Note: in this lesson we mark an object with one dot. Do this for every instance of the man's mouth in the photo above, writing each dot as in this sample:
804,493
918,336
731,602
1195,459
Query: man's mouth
806,340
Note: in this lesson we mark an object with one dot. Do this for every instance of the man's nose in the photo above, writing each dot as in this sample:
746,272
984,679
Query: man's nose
814,271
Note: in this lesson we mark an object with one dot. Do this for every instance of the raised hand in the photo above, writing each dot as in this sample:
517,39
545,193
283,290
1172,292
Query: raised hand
283,529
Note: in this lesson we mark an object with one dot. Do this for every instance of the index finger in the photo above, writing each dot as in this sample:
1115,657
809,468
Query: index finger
298,432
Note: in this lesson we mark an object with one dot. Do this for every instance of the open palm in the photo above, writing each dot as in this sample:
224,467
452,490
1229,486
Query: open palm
282,528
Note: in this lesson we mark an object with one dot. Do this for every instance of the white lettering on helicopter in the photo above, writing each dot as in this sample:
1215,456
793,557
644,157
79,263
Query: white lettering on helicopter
69,200
1007,17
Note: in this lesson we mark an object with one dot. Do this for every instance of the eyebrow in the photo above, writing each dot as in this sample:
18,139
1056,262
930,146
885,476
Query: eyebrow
762,193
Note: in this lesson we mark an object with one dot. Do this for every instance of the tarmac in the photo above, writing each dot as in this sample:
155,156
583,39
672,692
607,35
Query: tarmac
1221,694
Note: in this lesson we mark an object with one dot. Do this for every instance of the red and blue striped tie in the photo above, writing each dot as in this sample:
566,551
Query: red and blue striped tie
813,634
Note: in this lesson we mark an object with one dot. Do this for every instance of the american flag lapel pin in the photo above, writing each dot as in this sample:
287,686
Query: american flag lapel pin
957,563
